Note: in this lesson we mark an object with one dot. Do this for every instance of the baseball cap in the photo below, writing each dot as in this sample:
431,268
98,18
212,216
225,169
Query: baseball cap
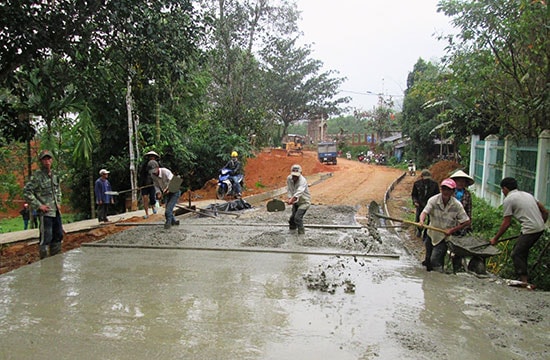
450,183
296,170
45,153
104,171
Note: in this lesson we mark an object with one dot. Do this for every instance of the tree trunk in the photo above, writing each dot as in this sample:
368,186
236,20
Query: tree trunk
131,143
91,190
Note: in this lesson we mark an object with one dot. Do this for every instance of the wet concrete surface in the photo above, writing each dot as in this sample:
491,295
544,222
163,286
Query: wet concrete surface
118,302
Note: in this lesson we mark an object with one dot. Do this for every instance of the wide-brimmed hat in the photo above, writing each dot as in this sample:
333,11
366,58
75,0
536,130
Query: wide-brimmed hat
152,153
462,175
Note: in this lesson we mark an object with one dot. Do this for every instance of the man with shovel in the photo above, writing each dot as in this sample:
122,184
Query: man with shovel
299,197
532,216
146,182
165,185
447,214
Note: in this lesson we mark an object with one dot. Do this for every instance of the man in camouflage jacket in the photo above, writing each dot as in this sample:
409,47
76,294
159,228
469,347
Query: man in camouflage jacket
44,194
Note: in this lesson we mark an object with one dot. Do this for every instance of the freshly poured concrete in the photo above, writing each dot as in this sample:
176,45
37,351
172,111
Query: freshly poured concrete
166,304
146,303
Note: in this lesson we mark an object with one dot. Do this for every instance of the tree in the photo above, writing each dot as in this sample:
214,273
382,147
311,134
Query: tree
87,137
381,120
238,85
418,120
499,62
297,89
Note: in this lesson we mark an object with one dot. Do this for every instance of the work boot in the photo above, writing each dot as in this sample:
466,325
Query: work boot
175,222
55,249
301,231
167,225
44,251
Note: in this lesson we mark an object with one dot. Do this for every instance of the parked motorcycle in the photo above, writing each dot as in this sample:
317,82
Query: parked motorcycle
412,168
225,184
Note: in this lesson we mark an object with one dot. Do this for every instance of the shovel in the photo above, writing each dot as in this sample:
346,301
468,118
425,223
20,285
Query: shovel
411,223
125,191
482,246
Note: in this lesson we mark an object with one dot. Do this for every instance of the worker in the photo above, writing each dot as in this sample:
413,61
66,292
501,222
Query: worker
236,173
43,193
161,178
145,183
530,213
298,197
103,199
446,213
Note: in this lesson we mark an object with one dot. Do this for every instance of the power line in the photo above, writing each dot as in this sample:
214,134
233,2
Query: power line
370,93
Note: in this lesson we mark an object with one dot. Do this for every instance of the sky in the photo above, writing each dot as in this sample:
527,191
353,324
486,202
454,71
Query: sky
374,44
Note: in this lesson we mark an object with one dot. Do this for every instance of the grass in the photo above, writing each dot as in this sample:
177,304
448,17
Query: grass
16,224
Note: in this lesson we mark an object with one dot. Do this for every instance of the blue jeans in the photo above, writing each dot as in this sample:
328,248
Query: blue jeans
171,201
236,180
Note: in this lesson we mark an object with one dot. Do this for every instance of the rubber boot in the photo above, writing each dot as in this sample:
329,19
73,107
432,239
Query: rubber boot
43,250
55,249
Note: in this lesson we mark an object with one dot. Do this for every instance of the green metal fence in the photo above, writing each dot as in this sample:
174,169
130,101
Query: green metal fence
527,161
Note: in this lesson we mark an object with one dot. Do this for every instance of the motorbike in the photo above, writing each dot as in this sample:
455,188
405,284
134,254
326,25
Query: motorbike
225,184
412,169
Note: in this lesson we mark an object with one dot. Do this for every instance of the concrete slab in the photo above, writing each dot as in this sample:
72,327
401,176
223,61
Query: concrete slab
108,303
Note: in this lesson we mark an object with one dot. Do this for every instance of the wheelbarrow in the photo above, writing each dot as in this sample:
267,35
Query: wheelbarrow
464,246
476,248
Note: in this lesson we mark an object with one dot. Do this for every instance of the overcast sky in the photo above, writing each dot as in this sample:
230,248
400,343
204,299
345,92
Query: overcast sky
374,44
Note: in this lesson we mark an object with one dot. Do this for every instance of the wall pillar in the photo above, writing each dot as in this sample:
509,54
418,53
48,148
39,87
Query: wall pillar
543,168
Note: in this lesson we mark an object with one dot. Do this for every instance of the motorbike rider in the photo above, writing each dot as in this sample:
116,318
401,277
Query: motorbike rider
236,173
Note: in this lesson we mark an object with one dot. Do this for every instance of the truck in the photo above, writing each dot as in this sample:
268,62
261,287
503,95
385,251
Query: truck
327,153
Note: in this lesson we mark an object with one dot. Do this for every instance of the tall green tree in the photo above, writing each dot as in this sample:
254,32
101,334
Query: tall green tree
418,120
499,62
298,89
87,138
238,89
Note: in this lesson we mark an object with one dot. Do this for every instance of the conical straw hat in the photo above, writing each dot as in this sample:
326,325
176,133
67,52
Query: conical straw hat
462,174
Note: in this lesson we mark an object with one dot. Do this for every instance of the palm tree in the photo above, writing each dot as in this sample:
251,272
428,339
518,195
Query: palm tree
87,137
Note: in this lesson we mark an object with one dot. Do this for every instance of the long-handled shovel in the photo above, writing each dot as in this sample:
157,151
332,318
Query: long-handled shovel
483,246
411,223
125,191
188,209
